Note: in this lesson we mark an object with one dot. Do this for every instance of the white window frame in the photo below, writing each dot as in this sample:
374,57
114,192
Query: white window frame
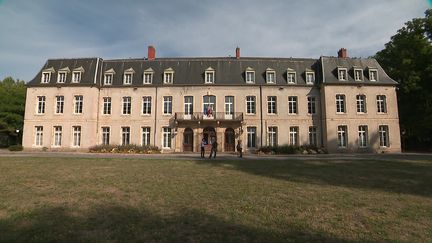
313,136
340,104
76,77
148,76
108,78
311,105
41,105
250,75
106,135
146,105
127,78
292,105
363,136
209,76
125,136
381,104
272,136
361,103
358,78
250,105
188,106
343,77
384,138
167,105
59,108
76,136
58,133
61,77
78,104
145,136
38,136
166,137
374,77
251,136
308,74
46,77
271,105
229,105
294,136
107,106
269,74
342,136
126,105
291,77
168,76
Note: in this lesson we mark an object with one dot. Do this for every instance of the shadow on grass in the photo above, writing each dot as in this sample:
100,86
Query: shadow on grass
391,176
127,224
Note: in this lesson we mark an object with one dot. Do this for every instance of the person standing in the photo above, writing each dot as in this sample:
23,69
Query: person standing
203,143
240,148
213,148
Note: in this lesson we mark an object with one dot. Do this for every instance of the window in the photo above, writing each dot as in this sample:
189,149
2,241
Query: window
383,131
373,74
146,105
271,104
61,77
342,136
361,103
340,103
311,105
250,104
209,104
291,77
251,137
358,74
76,136
105,135
188,105
294,136
310,77
168,76
127,105
41,105
362,136
250,75
272,136
167,105
313,136
59,104
270,76
229,105
148,76
57,136
76,76
127,78
108,79
342,74
107,105
209,75
292,105
166,137
46,77
39,136
125,136
145,136
78,104
381,104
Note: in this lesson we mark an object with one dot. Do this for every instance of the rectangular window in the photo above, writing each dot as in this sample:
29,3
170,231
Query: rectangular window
358,74
61,78
340,103
148,77
250,77
251,137
127,105
271,77
310,77
107,105
292,105
76,77
342,136
166,137
362,136
229,105
125,136
145,136
146,105
271,104
361,103
76,136
41,104
383,131
57,136
167,105
209,77
313,136
39,136
272,136
342,74
168,78
291,77
127,78
78,104
59,104
294,136
373,75
250,105
311,105
108,79
381,104
46,77
188,105
105,135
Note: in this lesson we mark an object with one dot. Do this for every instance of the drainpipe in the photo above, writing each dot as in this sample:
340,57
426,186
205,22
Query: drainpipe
261,116
155,117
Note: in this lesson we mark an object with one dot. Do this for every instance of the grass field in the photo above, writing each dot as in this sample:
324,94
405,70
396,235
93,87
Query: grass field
131,199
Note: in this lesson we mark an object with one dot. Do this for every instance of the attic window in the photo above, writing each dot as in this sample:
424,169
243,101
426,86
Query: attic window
168,76
250,75
358,74
270,76
342,74
148,76
108,76
127,76
46,77
76,74
62,74
310,76
373,74
209,75
291,76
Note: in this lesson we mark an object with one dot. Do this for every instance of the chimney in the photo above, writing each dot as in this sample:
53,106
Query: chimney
342,53
238,52
151,54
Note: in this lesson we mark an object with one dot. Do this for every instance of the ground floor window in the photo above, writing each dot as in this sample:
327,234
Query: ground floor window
145,136
251,137
342,136
76,136
125,136
294,136
313,136
57,136
39,136
383,135
272,136
362,136
105,135
166,137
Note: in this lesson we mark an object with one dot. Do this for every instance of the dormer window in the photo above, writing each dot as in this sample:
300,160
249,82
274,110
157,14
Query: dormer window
46,75
108,76
76,74
358,74
61,77
148,76
342,74
250,75
168,76
127,76
310,76
209,75
270,76
291,76
373,74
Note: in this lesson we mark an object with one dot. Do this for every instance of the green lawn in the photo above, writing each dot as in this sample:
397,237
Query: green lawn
122,200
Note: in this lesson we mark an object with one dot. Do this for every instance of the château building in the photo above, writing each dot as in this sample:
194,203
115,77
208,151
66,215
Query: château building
342,104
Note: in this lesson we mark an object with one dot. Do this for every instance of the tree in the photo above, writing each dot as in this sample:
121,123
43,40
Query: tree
407,58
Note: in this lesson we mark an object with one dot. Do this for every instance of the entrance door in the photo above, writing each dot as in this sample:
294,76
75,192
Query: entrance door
229,140
209,135
188,140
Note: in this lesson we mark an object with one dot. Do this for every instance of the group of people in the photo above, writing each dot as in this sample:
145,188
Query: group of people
208,111
214,145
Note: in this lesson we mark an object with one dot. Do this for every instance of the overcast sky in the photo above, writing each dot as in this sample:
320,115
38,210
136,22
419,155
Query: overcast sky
33,31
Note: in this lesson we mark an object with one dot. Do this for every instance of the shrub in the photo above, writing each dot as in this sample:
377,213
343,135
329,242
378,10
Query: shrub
290,149
131,149
17,147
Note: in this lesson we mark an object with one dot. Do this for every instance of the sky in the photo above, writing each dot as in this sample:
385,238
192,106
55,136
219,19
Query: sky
34,31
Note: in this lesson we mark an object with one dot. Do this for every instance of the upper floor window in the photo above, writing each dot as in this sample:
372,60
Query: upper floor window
381,104
106,105
76,74
373,74
188,105
41,105
127,105
340,103
108,76
271,105
148,76
46,75
128,75
250,105
342,74
270,76
291,76
310,77
311,105
358,74
59,104
292,105
250,75
209,104
146,105
209,75
168,76
78,103
361,103
167,105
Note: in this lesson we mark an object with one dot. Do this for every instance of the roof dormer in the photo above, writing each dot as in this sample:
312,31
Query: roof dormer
209,75
77,74
250,75
108,76
46,75
270,76
148,76
168,76
291,76
128,75
62,75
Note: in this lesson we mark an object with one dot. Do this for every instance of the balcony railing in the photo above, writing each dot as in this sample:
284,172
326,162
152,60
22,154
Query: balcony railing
215,116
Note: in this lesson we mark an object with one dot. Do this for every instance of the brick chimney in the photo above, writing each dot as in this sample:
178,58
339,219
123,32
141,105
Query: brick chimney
238,52
342,53
151,53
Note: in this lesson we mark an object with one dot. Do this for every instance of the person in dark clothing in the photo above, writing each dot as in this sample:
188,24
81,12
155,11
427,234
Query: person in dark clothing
240,148
203,143
213,149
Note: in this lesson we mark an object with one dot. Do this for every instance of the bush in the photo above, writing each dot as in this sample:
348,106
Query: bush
17,147
130,149
290,149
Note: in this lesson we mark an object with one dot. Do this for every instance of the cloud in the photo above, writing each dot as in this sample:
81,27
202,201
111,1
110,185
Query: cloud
33,31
